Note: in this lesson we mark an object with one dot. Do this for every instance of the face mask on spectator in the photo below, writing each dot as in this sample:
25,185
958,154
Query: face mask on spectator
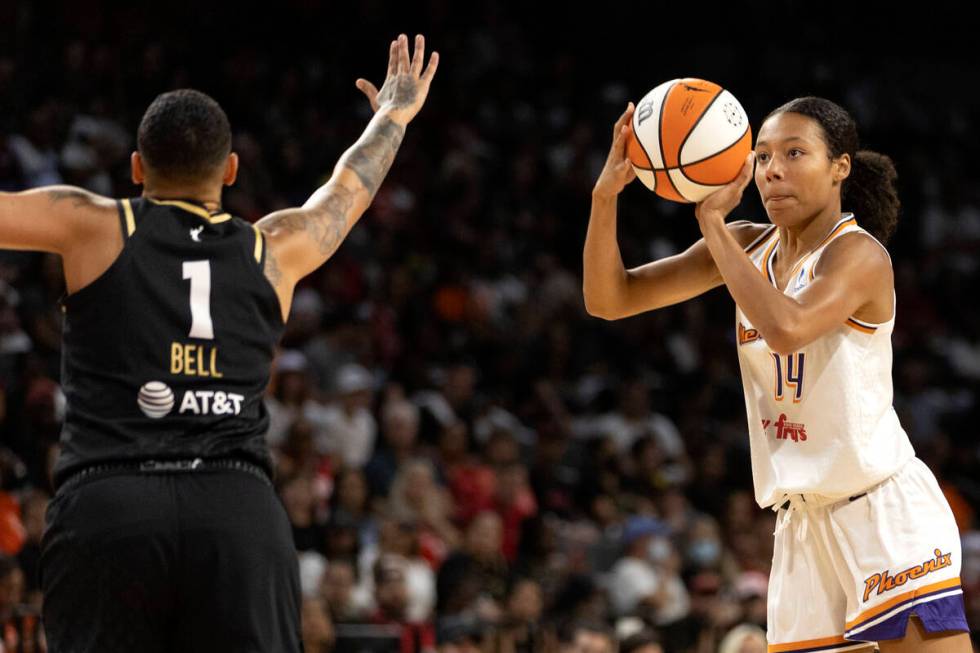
704,553
658,550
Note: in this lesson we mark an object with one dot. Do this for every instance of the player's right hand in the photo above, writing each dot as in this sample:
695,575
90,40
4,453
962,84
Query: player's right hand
618,171
406,86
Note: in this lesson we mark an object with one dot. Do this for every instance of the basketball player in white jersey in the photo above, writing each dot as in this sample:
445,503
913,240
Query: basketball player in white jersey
866,547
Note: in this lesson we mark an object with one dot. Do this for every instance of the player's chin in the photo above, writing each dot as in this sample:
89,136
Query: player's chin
783,210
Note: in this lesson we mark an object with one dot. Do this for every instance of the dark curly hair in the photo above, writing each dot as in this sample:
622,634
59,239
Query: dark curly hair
870,191
184,136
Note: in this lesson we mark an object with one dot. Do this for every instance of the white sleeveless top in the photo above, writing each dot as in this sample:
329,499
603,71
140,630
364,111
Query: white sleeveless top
821,420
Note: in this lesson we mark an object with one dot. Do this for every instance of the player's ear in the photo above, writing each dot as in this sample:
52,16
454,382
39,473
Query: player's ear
231,170
136,168
842,168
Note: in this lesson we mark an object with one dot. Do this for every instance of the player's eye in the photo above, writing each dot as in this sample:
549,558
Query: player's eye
798,151
761,156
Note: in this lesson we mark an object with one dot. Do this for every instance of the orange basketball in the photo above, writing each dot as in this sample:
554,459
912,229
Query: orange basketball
689,137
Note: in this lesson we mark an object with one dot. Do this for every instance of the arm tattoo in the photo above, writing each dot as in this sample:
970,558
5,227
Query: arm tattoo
326,220
325,223
329,224
272,271
79,197
371,158
400,93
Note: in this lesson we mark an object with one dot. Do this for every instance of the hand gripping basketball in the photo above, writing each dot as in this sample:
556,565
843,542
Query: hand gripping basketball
617,172
721,202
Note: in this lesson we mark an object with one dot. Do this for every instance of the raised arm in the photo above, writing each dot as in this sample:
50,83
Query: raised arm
301,239
611,291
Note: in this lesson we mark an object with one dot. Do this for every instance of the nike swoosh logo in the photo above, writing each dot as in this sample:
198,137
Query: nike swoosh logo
695,88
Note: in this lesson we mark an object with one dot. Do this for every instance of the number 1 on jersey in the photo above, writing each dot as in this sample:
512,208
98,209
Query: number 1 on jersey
199,272
793,371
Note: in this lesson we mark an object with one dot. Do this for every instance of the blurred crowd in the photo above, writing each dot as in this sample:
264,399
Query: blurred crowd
469,461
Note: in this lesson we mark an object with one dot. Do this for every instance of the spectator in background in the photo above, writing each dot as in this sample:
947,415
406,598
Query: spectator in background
703,547
474,578
13,535
291,396
751,588
11,173
592,638
461,634
20,625
11,588
470,478
297,454
352,498
402,539
645,641
514,502
399,431
34,506
341,537
391,600
349,427
34,150
318,635
299,501
744,638
339,592
634,584
417,498
523,608
633,420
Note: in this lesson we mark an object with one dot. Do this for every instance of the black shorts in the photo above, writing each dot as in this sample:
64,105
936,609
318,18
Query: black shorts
179,561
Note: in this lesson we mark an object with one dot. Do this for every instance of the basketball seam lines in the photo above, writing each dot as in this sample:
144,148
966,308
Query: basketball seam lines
660,140
660,145
739,140
680,168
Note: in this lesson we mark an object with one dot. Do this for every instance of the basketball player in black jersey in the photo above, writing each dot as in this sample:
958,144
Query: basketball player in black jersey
165,533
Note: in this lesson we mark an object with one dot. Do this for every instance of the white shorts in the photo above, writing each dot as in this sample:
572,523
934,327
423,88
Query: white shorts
853,571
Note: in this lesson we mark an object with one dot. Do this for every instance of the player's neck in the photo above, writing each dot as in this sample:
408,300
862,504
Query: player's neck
210,198
798,240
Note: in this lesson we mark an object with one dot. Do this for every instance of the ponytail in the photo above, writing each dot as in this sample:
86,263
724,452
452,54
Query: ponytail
871,194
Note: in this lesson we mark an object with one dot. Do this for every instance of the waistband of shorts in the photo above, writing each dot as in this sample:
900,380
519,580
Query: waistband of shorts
154,466
819,500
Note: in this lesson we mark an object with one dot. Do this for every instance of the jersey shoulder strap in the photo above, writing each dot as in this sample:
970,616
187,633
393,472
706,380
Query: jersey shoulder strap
127,217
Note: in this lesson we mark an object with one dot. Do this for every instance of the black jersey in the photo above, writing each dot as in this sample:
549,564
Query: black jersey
167,353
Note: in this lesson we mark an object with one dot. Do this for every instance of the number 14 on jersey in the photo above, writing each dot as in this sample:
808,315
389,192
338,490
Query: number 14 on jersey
788,375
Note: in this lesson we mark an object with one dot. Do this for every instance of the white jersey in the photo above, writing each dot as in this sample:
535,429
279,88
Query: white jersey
821,420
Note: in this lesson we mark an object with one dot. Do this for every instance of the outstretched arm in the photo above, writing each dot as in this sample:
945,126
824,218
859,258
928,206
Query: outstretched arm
51,219
301,239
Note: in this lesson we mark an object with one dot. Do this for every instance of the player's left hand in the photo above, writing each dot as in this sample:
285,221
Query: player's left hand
406,86
720,203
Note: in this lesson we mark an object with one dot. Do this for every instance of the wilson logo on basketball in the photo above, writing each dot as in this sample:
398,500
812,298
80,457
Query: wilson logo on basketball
885,582
795,431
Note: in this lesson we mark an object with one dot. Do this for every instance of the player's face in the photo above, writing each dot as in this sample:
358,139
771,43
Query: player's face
793,169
